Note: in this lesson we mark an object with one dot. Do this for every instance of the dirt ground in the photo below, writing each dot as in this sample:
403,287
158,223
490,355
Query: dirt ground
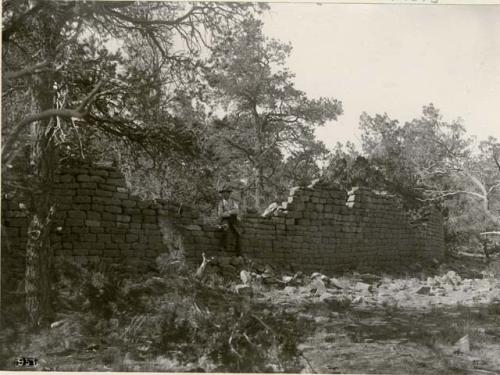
445,320
425,320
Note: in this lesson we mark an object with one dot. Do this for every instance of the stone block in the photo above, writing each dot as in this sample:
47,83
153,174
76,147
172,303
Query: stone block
150,219
92,223
93,215
131,238
103,193
132,211
88,185
97,179
83,178
80,251
93,252
97,207
115,174
108,224
88,237
129,204
76,214
115,181
113,209
107,187
80,207
72,222
124,246
65,178
79,230
118,230
99,172
63,192
123,218
111,253
82,199
82,169
120,196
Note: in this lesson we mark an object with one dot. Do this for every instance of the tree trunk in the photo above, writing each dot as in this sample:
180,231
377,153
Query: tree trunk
38,251
259,190
37,277
43,163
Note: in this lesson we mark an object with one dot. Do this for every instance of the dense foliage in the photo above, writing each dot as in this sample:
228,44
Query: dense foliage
428,161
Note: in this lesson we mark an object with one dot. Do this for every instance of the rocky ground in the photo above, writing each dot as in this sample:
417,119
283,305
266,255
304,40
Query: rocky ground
419,320
441,319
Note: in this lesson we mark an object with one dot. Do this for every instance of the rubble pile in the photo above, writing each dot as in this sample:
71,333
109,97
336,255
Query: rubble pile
269,283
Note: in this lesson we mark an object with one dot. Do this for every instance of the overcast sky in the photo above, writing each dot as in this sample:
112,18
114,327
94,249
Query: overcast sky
395,59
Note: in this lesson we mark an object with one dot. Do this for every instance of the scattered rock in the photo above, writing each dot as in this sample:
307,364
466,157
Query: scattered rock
318,287
321,319
358,299
290,290
340,302
462,345
245,277
370,278
336,283
424,290
327,297
58,323
114,323
244,289
287,279
363,287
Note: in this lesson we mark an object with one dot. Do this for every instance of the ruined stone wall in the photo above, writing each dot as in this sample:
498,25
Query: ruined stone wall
97,219
323,229
320,227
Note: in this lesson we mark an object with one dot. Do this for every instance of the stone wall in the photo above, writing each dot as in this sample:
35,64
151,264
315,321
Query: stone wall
97,219
319,228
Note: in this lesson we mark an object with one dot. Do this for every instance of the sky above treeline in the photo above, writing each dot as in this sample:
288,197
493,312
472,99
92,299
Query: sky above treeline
395,59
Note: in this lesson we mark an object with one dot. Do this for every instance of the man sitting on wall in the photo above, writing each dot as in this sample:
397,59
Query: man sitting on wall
228,211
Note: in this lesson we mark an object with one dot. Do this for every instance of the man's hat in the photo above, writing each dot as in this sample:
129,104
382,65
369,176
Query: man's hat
225,188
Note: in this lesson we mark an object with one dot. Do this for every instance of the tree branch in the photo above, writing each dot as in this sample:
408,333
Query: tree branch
493,188
495,158
241,148
449,194
37,68
79,112
145,22
90,97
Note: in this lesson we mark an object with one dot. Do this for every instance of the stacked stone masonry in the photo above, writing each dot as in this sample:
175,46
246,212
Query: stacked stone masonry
320,228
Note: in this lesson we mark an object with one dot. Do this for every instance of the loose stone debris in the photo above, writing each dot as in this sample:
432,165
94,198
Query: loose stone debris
444,289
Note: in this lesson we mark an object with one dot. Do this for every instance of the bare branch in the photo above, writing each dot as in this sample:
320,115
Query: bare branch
476,181
241,148
449,194
493,188
486,233
79,112
495,158
90,97
37,68
146,22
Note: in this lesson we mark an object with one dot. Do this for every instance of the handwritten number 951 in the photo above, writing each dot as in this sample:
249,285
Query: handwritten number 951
27,362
